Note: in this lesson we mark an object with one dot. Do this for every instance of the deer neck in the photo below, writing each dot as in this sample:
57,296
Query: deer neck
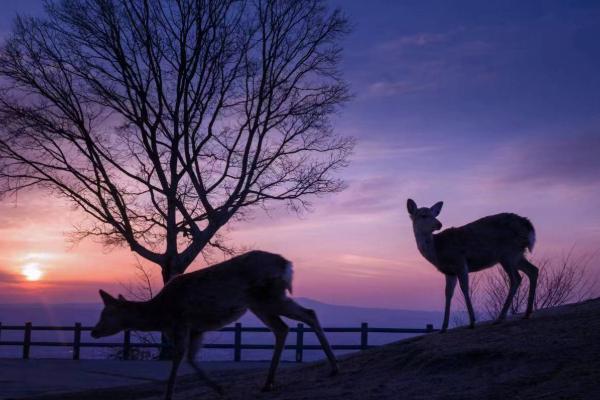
143,316
426,246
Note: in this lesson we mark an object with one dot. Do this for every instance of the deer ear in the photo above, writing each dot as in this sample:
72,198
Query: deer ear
106,298
437,208
121,298
411,206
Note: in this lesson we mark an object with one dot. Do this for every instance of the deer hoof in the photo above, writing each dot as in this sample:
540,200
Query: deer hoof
472,326
334,372
443,330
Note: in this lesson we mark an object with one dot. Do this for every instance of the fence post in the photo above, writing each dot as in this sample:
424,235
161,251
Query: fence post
237,345
429,328
76,340
299,342
126,345
27,341
364,336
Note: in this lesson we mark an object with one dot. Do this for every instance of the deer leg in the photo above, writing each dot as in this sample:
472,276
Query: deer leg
195,344
280,330
532,274
463,280
450,285
179,345
515,281
293,310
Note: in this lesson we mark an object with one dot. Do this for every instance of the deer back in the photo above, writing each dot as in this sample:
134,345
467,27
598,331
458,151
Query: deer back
221,293
484,242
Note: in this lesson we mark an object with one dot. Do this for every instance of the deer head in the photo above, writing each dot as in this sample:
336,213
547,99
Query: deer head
424,219
112,318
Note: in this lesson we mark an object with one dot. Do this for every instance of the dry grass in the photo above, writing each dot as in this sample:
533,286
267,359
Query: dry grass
555,355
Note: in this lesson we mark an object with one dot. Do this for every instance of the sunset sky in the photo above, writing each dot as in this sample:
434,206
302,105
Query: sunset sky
490,106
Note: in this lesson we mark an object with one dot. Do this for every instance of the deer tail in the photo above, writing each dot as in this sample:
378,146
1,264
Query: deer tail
530,234
288,274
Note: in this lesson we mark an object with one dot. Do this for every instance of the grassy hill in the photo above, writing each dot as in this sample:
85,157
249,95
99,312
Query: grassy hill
554,355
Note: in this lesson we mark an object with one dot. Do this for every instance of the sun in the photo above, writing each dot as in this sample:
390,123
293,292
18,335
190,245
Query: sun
32,272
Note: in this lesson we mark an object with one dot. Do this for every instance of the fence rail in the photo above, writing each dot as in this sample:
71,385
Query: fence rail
127,345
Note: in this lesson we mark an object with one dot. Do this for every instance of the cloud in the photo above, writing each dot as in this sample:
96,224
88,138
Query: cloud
392,88
367,196
565,160
7,277
386,150
415,40
426,62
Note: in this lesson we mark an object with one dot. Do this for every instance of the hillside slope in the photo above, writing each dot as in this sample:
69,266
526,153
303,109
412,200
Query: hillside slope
555,355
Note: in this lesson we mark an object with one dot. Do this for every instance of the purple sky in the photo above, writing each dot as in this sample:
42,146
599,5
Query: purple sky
490,106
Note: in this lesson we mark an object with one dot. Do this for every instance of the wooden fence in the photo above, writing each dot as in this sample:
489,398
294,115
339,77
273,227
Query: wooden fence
127,345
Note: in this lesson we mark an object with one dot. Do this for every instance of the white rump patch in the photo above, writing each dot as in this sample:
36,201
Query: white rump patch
288,275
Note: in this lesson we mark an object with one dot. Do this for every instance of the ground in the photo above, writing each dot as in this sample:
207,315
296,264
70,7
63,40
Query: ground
554,355
27,378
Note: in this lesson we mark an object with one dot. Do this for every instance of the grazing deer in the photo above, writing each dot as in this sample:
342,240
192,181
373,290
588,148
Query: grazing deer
455,252
209,299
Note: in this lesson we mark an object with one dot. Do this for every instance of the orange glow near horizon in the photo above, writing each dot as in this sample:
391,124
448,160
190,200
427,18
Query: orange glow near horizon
367,257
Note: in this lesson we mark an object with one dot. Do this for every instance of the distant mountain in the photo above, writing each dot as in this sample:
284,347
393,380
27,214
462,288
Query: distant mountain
341,315
67,314
329,314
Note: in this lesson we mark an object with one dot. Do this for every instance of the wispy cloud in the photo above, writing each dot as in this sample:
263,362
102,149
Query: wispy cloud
429,61
8,277
415,40
565,160
370,150
379,263
393,88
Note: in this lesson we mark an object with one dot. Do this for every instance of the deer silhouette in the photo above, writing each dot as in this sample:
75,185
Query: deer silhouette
208,299
481,244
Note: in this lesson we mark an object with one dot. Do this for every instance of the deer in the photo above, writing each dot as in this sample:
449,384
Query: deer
456,252
210,298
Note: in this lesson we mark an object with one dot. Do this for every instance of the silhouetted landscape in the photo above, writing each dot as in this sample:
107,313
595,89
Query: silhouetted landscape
299,199
86,313
555,355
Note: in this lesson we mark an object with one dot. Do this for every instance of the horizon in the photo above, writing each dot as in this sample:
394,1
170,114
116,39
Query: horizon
300,299
491,110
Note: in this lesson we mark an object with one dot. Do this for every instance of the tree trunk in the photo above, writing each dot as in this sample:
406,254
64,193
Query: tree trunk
166,350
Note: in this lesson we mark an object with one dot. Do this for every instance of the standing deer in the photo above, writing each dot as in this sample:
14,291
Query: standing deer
500,238
209,299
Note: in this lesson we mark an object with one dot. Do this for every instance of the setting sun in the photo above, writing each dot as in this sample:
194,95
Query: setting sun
32,272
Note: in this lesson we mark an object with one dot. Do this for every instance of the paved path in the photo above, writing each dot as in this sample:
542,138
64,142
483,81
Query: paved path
22,378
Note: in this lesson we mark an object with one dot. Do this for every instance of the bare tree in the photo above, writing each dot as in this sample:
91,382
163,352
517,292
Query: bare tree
162,120
141,287
559,282
562,282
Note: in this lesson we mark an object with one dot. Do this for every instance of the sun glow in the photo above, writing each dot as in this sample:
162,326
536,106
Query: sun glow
32,272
